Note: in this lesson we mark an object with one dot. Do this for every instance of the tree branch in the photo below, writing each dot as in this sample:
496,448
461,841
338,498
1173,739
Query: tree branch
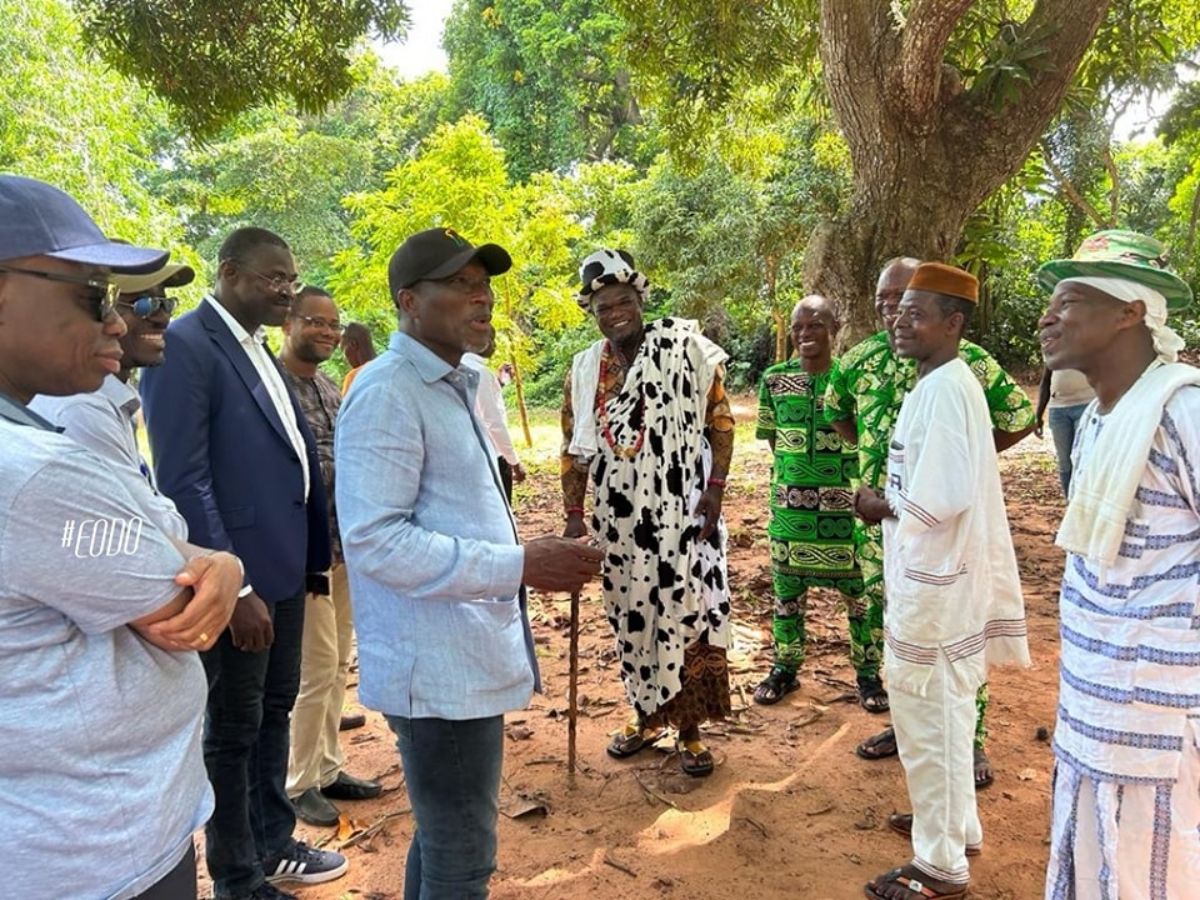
1114,176
991,144
853,37
1068,187
1071,25
918,70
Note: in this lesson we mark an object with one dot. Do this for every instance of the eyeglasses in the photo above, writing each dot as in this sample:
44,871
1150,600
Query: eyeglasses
316,322
279,283
461,284
102,297
148,304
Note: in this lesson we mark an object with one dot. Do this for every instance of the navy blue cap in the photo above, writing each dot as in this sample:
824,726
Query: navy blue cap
37,219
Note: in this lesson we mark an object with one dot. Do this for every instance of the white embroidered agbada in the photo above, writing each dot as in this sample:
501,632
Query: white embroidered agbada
954,605
949,564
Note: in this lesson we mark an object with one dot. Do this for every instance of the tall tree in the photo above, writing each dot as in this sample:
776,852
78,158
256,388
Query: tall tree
458,180
212,59
71,121
550,77
940,101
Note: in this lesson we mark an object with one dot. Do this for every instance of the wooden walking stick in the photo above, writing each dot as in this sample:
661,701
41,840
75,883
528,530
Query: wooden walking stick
573,684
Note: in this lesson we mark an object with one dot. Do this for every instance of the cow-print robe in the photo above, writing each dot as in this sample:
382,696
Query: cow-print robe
663,589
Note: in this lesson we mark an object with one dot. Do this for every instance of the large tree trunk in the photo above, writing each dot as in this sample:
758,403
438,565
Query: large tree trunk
925,152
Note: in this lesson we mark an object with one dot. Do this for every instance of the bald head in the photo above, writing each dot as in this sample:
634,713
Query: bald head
889,290
818,306
814,327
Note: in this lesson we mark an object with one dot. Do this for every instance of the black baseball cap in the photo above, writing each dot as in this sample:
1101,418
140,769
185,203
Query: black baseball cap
438,253
37,219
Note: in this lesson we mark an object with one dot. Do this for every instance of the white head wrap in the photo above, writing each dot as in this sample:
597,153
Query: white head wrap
1167,343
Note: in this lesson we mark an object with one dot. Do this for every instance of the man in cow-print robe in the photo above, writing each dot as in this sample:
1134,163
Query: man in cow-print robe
645,418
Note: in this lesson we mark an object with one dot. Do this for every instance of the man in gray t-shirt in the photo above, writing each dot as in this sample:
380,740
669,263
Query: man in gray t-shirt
102,782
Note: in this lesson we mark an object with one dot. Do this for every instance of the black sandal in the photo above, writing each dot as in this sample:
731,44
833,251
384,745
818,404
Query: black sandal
871,695
878,746
775,687
625,744
699,762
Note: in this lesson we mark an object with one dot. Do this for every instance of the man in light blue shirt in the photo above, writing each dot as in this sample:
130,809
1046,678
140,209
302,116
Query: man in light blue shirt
436,567
102,782
105,421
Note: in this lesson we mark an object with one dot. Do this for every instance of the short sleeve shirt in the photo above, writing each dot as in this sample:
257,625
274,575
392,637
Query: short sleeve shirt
102,779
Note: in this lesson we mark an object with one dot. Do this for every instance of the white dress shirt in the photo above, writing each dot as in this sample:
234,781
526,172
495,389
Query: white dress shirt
490,409
272,379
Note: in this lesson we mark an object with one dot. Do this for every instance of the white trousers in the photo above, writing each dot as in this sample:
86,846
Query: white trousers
935,734
1114,841
316,754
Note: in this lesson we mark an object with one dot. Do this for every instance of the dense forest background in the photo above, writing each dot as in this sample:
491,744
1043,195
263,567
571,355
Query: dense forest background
733,148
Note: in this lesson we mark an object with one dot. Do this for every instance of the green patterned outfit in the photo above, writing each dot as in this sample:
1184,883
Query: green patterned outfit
868,387
812,520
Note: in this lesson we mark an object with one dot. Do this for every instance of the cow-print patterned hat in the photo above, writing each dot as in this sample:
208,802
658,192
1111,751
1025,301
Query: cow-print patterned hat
609,267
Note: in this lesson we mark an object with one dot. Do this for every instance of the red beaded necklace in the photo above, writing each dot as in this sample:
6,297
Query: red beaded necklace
602,411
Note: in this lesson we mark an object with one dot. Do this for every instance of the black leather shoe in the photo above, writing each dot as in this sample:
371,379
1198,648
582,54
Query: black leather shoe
350,722
347,787
314,808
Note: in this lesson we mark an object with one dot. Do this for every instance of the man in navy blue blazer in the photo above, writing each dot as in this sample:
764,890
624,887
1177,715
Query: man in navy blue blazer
233,451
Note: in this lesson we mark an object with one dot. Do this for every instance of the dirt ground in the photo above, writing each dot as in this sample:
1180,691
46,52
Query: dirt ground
790,810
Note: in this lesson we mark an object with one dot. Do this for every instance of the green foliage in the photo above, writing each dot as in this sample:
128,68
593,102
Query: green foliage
213,59
458,179
548,76
574,104
53,128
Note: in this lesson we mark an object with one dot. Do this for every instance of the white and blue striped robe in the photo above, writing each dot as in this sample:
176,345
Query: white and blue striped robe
1127,743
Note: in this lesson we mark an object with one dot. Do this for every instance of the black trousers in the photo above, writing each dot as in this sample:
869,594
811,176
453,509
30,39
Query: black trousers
178,884
505,477
246,743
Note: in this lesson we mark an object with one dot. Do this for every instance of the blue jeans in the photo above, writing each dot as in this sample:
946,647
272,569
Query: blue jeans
1064,422
250,699
452,770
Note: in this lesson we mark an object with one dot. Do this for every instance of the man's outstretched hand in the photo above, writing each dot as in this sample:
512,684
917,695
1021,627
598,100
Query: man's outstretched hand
560,564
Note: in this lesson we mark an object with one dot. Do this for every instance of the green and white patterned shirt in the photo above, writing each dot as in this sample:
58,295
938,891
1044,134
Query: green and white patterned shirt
871,383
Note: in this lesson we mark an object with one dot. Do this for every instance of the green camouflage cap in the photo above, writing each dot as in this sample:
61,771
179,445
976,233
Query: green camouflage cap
1121,254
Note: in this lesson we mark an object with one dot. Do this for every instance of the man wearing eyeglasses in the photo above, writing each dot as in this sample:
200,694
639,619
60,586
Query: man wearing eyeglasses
315,775
232,449
105,421
102,783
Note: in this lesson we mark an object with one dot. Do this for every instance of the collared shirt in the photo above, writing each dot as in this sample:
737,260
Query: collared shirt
94,721
489,407
430,543
104,421
319,399
270,373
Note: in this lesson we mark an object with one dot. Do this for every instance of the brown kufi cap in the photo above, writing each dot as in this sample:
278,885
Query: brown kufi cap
939,278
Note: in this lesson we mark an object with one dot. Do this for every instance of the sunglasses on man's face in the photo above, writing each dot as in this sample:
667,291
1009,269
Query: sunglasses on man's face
147,305
101,297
